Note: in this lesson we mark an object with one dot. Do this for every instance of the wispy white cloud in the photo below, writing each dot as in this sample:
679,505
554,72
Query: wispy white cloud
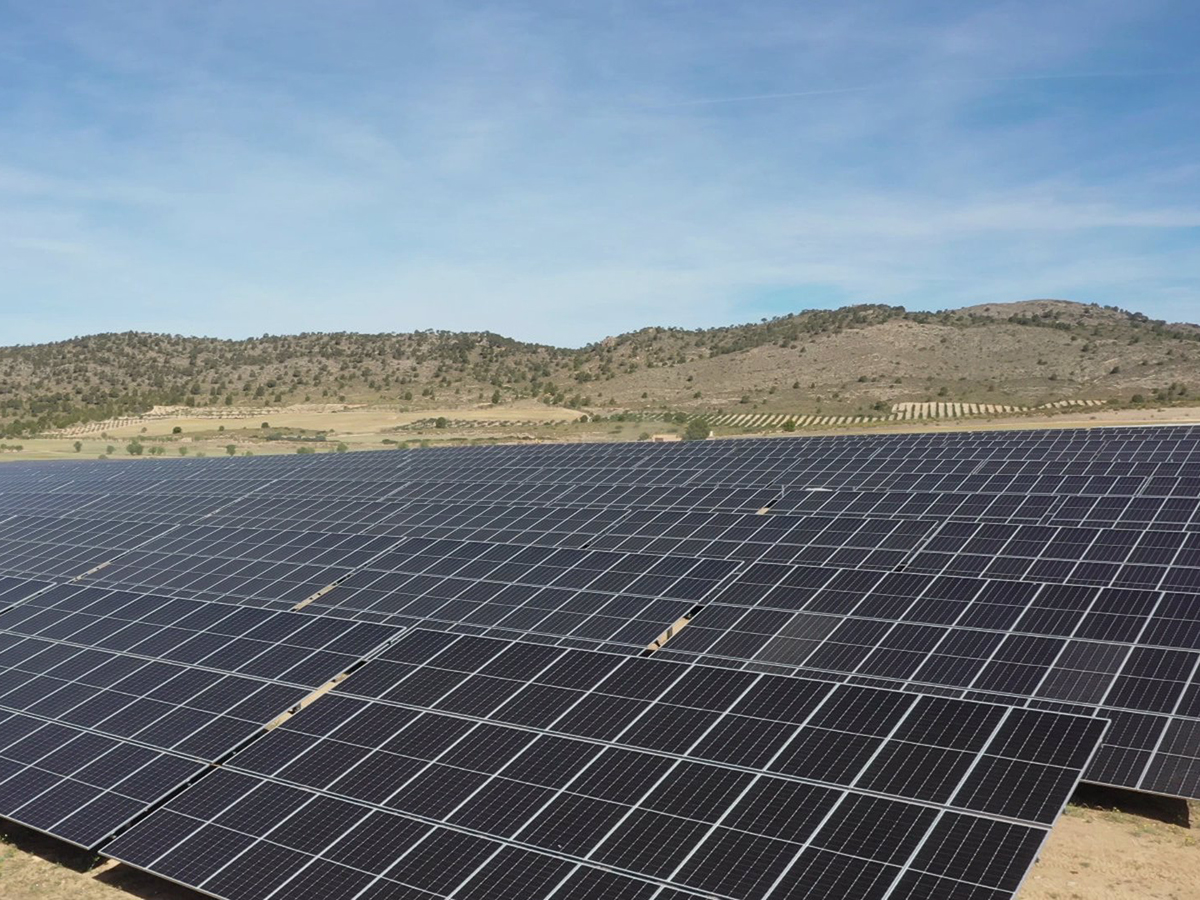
560,173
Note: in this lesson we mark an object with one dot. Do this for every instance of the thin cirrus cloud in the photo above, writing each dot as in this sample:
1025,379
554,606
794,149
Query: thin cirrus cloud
560,172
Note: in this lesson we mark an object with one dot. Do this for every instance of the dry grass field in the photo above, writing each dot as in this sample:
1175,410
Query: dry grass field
352,422
359,428
1094,853
377,428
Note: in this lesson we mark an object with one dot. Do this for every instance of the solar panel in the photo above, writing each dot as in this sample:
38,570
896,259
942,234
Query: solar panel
1131,656
174,608
447,760
78,785
617,598
14,590
170,679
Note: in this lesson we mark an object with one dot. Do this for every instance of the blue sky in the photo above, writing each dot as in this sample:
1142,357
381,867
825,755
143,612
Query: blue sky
562,171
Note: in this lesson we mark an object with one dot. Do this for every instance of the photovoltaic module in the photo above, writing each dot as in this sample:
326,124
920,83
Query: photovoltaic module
845,667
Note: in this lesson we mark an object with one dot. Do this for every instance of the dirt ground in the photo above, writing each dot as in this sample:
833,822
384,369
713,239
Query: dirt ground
1098,853
1094,853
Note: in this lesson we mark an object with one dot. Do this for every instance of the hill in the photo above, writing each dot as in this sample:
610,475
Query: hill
835,362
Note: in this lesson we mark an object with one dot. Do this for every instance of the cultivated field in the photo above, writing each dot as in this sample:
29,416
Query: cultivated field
1093,854
352,422
377,428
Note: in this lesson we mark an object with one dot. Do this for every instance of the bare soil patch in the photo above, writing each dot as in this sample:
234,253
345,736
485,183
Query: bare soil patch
1107,854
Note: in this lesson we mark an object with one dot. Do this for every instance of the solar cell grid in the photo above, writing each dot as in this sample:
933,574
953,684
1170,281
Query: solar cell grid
701,497
1101,624
14,590
619,598
162,507
78,785
160,677
282,565
1039,645
186,629
834,540
55,547
41,502
1053,572
662,796
512,523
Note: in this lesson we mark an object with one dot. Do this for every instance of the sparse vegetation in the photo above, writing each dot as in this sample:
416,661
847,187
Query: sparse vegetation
854,361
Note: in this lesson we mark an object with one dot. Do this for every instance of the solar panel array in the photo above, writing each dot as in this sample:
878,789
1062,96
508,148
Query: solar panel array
477,767
163,686
869,666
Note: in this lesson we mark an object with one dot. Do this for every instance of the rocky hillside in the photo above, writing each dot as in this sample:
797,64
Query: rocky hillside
837,361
